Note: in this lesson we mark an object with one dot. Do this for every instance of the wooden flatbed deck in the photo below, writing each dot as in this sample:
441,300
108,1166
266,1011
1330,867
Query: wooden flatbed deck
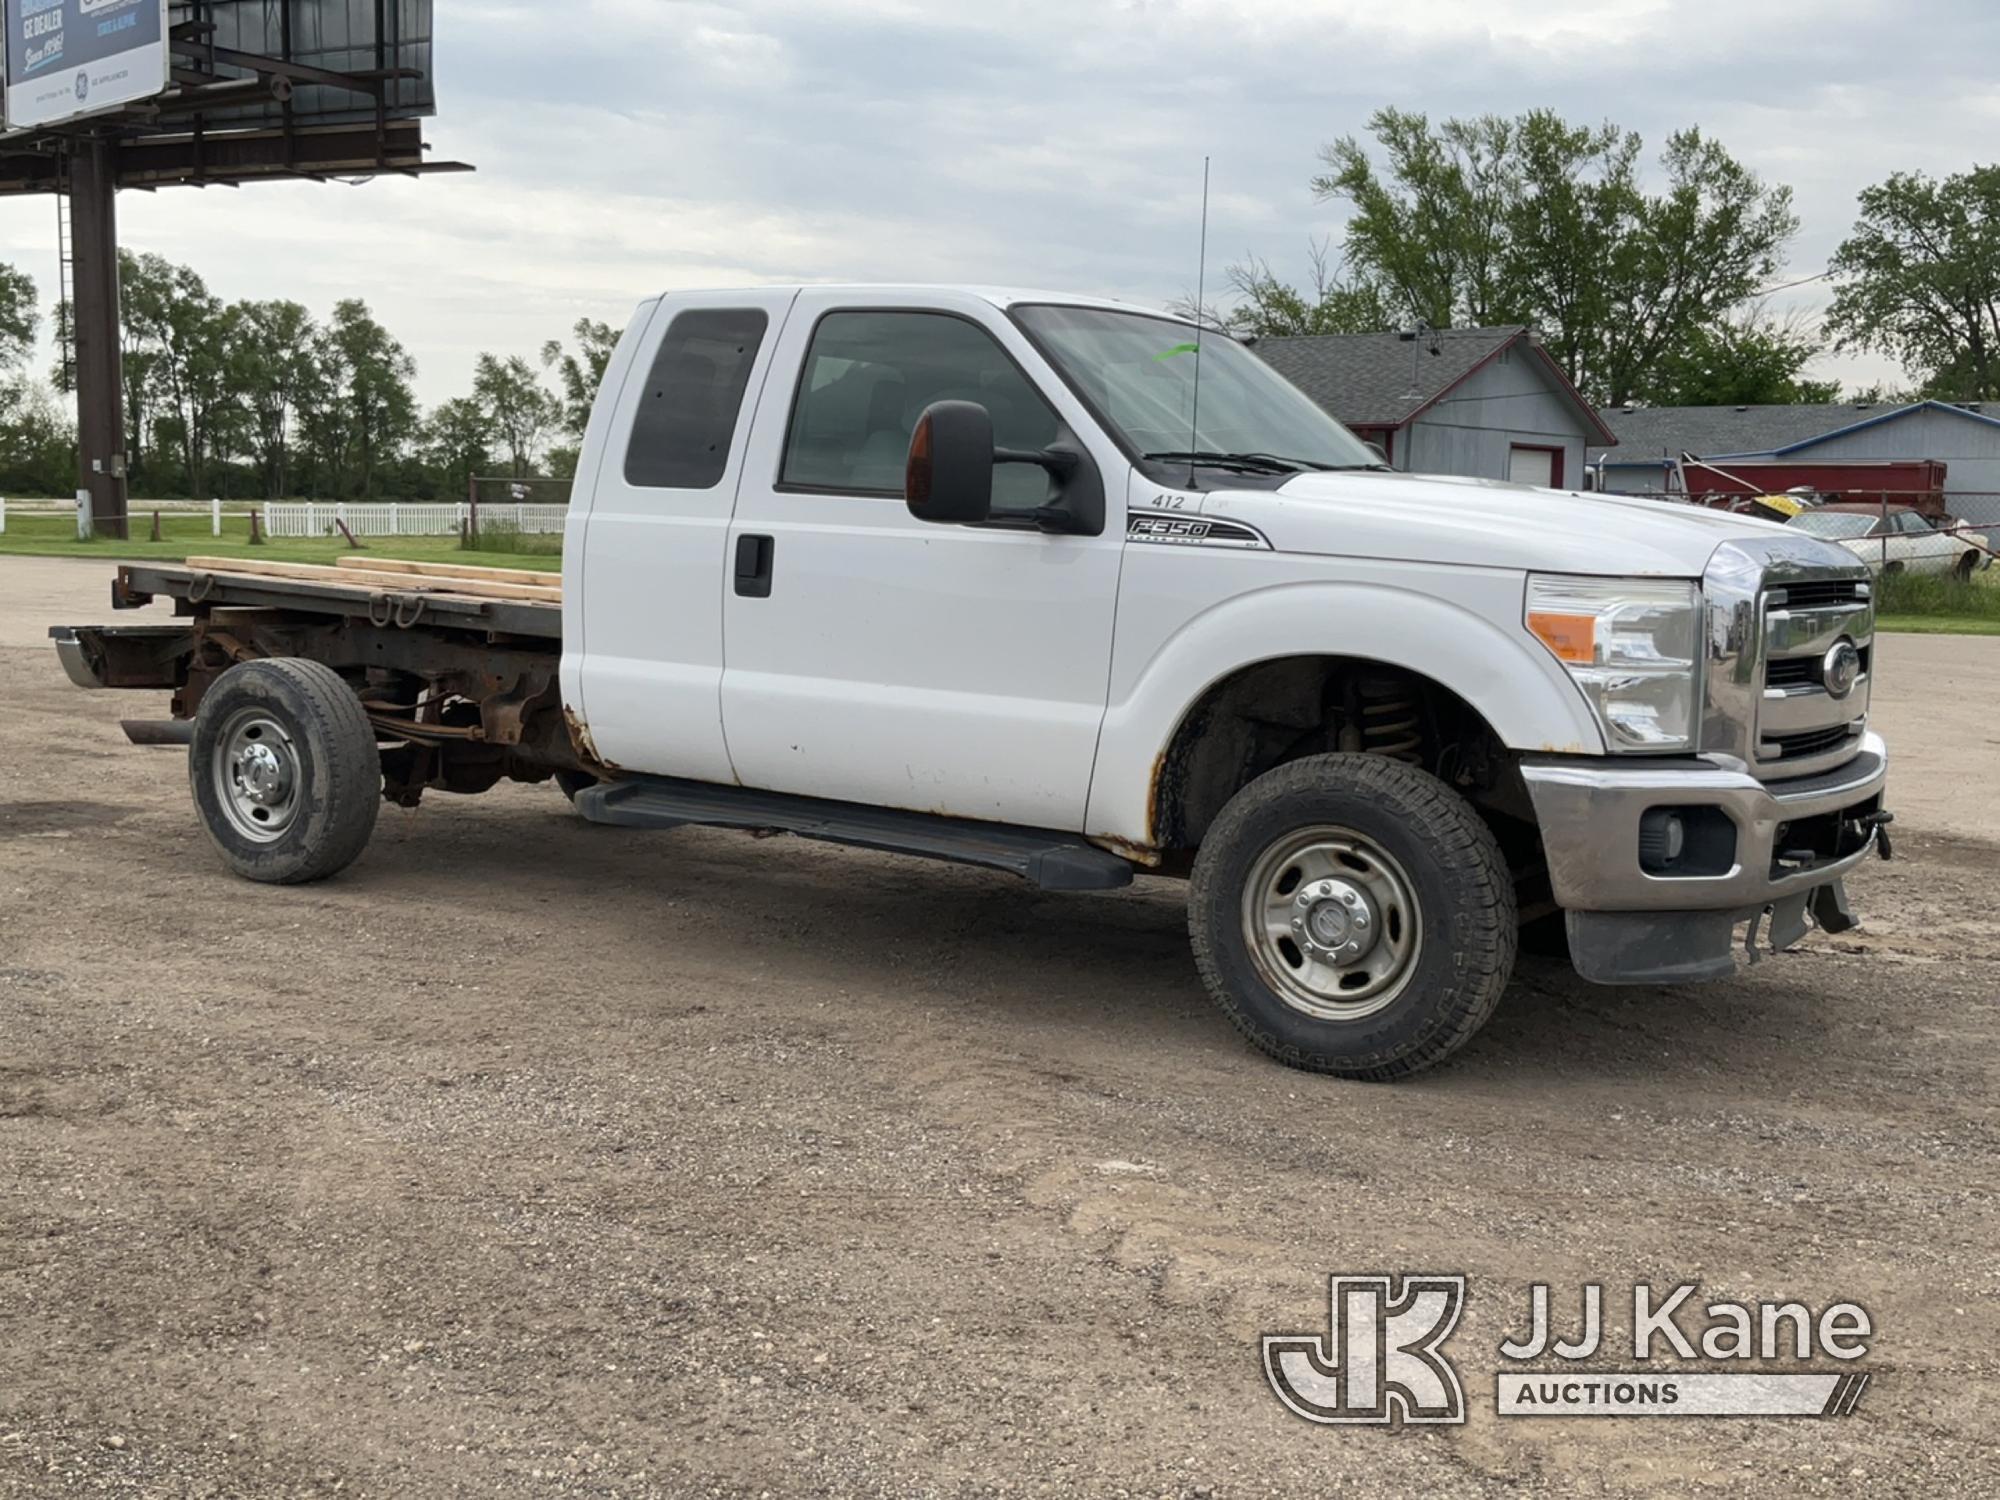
498,601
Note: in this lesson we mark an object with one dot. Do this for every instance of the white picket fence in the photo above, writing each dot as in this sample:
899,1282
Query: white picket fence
393,518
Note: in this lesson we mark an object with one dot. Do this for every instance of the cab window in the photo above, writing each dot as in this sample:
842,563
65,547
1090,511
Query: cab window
869,375
687,412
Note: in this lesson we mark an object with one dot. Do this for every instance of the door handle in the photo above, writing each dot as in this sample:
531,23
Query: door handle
753,565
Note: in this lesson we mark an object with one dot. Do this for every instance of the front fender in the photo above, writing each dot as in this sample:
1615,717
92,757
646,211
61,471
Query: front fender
1516,686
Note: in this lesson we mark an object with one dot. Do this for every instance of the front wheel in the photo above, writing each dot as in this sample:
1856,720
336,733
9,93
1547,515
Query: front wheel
1353,915
1966,566
285,771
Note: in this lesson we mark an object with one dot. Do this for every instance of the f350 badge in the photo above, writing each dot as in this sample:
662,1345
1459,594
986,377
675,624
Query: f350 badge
1192,531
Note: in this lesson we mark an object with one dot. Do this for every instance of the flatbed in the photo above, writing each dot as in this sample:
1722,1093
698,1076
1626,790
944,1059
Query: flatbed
454,670
425,597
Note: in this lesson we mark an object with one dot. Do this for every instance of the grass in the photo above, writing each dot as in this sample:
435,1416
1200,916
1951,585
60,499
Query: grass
186,535
504,536
1932,604
1937,625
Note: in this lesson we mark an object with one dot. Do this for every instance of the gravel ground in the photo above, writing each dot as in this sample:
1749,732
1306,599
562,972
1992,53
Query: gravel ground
532,1158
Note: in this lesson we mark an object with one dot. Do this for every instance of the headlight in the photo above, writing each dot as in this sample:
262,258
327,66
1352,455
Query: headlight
1630,643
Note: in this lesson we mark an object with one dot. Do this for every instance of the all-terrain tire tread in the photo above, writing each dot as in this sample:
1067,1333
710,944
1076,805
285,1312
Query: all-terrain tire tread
1482,965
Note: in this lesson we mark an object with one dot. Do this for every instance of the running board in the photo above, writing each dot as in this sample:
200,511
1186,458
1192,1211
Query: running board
1053,861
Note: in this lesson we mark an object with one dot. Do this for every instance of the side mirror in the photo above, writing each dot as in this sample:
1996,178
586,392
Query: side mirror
950,475
1376,449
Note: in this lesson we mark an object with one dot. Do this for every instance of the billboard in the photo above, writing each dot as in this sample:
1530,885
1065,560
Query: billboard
67,58
340,36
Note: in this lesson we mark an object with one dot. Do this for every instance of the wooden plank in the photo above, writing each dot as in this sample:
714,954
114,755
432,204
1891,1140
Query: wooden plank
357,578
530,576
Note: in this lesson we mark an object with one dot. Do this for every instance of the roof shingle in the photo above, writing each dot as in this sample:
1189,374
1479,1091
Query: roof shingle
1379,379
1646,434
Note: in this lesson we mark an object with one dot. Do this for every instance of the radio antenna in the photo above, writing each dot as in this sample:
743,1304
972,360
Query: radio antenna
1200,323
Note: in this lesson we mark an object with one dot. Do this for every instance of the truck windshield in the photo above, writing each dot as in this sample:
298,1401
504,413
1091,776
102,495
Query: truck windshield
1137,372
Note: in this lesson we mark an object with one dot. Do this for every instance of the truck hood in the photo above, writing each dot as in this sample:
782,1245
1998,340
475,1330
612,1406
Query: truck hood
1484,523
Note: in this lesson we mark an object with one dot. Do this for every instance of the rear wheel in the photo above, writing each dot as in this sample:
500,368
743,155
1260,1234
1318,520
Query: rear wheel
1353,915
285,771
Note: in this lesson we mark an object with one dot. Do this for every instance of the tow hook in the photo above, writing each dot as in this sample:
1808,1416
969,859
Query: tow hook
1879,822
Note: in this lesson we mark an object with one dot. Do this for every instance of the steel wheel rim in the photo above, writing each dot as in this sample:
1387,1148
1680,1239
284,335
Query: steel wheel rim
1332,923
257,775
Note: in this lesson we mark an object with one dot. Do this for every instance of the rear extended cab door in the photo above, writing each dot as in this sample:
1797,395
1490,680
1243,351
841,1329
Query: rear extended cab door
642,627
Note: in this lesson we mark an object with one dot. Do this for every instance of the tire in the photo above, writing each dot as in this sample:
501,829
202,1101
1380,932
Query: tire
285,771
1965,567
1406,838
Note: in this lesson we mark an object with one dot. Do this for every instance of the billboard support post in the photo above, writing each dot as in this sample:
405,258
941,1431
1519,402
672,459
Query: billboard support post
100,395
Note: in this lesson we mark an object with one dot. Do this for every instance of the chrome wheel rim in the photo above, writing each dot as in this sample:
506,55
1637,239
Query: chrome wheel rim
257,775
1332,923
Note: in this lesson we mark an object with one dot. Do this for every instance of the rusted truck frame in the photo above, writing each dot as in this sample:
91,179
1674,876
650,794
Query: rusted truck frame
463,691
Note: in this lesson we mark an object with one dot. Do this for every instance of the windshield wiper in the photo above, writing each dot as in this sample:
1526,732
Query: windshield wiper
1249,463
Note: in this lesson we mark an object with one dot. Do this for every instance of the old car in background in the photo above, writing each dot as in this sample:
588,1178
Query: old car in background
1894,539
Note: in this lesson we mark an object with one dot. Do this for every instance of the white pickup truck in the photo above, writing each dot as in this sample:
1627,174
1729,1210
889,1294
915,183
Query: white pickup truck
1070,589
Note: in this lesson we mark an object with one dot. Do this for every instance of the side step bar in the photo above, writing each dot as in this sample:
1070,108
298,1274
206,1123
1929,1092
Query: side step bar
1053,861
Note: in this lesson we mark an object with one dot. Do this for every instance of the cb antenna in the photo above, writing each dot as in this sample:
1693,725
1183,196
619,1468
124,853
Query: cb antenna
1200,323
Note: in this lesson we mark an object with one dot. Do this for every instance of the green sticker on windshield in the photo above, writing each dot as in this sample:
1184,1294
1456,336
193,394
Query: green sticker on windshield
1178,349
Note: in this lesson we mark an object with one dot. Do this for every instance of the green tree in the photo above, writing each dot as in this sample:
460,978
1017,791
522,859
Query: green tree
456,440
37,439
1432,224
1752,360
275,353
20,316
177,327
1922,279
1538,221
1330,302
372,372
521,412
580,372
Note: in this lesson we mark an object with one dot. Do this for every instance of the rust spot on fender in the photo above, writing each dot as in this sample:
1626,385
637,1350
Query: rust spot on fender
1153,797
580,741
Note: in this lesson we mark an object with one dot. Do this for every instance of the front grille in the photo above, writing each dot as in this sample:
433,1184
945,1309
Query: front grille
1794,671
1818,593
1806,742
1777,607
1805,671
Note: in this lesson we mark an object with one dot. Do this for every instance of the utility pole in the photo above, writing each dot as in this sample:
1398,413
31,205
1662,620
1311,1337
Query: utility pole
100,384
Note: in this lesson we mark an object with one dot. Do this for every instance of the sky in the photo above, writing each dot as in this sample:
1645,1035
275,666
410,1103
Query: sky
626,147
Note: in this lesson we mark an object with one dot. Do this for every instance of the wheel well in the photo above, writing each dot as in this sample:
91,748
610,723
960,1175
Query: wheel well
1277,711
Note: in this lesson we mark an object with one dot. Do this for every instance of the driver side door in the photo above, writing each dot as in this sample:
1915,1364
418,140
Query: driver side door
872,657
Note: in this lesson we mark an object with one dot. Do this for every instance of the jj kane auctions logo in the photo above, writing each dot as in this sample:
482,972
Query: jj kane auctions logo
1382,1357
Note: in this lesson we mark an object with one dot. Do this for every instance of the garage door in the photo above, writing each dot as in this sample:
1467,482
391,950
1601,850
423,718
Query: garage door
1535,466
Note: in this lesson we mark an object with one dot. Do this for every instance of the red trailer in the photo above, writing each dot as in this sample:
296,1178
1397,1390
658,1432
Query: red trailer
1916,482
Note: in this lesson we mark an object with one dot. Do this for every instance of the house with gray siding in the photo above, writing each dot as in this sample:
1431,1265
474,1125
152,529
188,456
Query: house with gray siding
1651,441
1485,402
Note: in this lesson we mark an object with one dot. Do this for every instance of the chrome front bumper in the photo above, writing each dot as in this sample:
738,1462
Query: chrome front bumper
1629,926
1589,812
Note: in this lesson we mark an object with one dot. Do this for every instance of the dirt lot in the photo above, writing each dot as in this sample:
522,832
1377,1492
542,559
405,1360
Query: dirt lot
534,1158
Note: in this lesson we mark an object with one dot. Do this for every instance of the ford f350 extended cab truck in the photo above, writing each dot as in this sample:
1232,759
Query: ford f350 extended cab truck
1077,591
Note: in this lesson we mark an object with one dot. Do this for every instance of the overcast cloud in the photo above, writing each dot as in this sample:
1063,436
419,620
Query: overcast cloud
627,146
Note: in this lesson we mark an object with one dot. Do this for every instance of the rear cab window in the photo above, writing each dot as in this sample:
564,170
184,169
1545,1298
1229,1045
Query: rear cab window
693,398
